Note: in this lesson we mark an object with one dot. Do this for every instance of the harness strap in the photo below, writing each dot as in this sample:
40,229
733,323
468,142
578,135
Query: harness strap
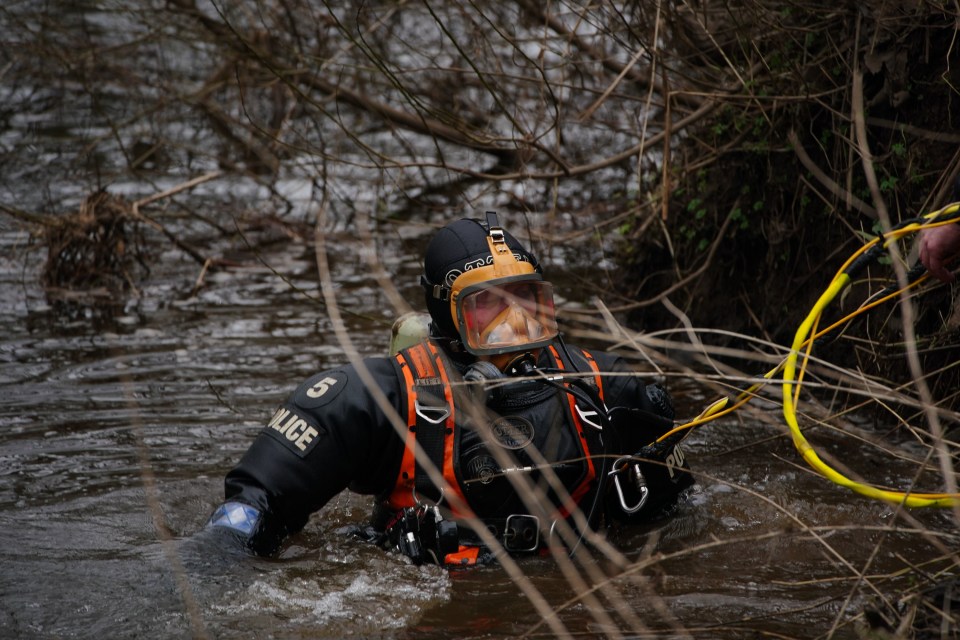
431,420
579,417
596,372
431,411
430,414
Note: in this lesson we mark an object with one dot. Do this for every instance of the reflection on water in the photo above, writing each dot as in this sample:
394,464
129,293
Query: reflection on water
184,382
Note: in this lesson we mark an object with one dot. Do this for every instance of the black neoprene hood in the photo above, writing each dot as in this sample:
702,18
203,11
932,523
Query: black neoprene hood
457,247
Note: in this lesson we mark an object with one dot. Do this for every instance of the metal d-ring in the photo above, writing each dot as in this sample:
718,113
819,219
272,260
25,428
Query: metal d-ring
418,502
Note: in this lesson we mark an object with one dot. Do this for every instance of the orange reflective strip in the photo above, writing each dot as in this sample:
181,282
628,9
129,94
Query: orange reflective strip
596,372
421,362
464,556
402,494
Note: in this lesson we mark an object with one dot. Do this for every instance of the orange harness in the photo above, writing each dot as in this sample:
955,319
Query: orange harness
578,418
431,415
431,421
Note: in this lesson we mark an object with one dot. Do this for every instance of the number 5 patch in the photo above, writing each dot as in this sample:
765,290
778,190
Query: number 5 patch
320,389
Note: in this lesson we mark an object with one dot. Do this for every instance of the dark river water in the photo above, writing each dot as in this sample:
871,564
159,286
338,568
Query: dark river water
120,417
119,423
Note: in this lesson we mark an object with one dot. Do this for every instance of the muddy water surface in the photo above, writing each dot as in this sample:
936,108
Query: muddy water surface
117,425
120,417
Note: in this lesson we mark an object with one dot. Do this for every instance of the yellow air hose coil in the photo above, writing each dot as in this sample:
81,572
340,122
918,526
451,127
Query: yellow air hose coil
793,367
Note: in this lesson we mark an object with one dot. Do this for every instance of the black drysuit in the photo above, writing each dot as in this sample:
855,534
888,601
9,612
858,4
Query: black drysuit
333,433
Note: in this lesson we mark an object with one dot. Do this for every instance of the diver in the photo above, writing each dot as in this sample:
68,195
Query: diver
491,435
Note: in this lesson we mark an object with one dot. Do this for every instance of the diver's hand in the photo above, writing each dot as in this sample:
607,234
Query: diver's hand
241,525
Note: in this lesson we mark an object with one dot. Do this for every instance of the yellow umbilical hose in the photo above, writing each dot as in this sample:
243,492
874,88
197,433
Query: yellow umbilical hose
793,366
792,374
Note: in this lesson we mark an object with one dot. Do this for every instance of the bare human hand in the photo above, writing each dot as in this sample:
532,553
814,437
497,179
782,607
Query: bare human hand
938,247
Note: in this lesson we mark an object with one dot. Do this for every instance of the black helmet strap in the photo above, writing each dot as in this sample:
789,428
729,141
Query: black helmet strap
493,227
440,291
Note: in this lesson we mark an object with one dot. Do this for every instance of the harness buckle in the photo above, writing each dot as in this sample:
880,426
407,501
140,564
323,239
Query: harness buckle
521,533
589,417
436,291
436,412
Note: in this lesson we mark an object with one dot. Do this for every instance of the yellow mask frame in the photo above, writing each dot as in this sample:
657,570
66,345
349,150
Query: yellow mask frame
504,270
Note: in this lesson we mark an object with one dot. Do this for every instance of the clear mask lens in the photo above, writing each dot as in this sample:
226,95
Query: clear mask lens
498,318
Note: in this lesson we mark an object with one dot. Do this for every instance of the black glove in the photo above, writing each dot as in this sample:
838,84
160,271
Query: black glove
661,401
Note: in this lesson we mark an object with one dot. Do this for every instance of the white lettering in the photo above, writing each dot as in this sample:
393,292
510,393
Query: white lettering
293,431
289,423
321,387
278,417
675,459
294,428
308,435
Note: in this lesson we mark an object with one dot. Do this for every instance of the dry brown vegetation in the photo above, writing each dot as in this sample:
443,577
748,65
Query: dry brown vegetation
733,153
736,147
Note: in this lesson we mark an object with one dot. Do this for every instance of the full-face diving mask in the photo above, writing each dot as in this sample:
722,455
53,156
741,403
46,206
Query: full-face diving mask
503,306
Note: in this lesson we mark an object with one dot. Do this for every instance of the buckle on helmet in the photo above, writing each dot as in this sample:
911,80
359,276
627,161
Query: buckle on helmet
436,291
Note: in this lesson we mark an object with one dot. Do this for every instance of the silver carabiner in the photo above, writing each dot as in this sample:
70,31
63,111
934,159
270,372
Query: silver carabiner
640,483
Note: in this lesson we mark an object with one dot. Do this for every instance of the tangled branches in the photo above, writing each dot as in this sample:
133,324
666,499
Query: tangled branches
96,250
